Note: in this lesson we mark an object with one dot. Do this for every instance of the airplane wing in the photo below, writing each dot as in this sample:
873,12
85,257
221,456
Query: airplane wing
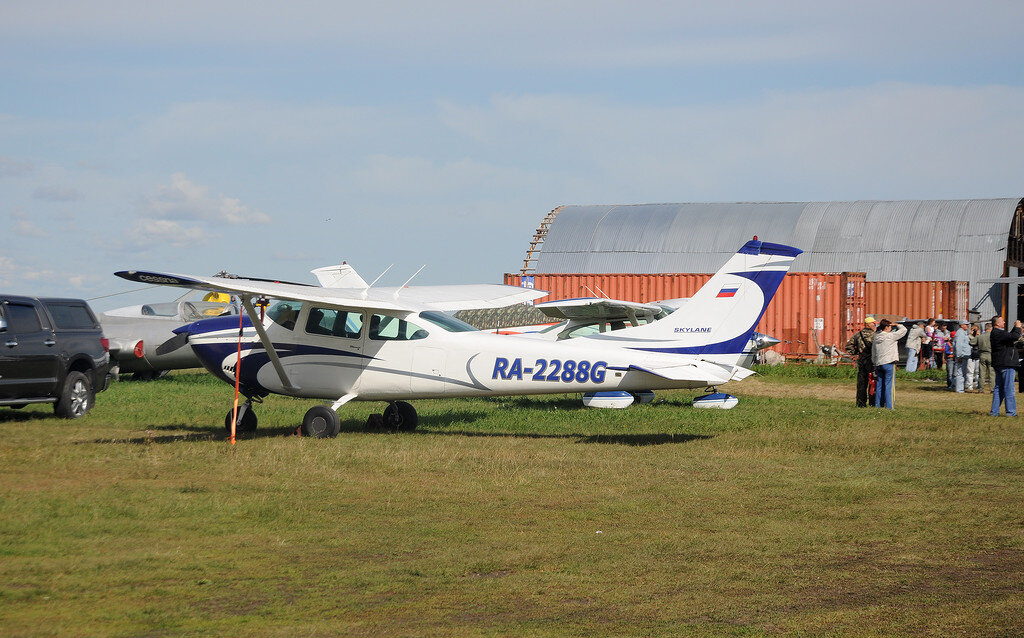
596,308
409,299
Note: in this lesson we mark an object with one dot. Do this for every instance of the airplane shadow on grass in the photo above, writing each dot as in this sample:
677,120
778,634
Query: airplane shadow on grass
574,404
193,433
431,425
634,440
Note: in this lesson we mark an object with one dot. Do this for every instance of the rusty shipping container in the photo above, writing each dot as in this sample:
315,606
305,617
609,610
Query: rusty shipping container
809,310
918,299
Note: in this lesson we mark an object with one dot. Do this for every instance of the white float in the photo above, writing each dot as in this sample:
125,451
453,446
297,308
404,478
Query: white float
719,400
607,399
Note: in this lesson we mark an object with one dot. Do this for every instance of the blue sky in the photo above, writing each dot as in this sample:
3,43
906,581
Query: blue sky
269,138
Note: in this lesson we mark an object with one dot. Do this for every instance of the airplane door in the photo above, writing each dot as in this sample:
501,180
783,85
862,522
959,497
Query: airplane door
428,363
331,358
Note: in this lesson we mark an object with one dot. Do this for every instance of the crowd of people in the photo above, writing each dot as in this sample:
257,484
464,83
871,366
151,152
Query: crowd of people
976,358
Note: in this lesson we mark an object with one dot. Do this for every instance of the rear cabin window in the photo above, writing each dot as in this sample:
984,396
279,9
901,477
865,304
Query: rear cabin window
334,323
385,328
70,316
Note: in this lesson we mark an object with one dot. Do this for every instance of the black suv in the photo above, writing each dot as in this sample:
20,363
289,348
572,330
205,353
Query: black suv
51,351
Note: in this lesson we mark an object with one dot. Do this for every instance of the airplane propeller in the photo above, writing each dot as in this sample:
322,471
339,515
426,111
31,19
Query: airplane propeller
172,344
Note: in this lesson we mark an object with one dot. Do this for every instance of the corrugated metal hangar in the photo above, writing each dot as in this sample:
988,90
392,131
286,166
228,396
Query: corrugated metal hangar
945,247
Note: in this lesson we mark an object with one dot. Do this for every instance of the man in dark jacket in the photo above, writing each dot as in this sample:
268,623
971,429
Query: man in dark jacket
859,346
1005,361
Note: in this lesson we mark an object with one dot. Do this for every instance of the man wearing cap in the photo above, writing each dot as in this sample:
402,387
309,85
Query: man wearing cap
1005,361
961,353
914,339
859,347
988,373
975,361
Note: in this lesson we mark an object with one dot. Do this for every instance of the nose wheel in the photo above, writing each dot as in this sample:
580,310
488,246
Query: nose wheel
400,416
245,422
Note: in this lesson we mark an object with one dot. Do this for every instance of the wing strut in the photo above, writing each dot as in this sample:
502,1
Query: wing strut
265,340
238,378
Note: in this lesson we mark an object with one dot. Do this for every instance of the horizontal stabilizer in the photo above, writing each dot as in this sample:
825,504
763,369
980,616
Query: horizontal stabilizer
697,370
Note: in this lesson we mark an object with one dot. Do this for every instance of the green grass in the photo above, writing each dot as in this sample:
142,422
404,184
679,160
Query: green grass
796,370
793,514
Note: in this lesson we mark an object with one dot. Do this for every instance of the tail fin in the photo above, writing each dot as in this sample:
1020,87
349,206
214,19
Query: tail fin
722,316
340,276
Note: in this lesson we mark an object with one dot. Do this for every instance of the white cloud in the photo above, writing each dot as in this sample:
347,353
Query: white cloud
15,275
10,167
267,124
26,228
63,216
146,233
889,140
56,194
425,178
23,226
579,33
7,266
185,200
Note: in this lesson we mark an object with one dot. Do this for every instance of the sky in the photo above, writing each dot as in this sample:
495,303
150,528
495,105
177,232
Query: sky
270,138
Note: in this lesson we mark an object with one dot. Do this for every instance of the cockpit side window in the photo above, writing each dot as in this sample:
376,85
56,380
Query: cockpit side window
385,328
284,313
334,323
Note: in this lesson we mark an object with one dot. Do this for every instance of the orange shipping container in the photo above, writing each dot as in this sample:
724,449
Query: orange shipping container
918,299
809,310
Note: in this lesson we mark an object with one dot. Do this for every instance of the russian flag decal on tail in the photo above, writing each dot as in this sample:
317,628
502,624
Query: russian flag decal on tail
728,291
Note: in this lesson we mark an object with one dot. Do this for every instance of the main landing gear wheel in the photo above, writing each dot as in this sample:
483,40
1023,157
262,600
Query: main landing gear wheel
246,423
320,422
400,416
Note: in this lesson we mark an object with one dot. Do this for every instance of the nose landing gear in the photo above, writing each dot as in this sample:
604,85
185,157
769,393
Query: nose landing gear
245,422
400,416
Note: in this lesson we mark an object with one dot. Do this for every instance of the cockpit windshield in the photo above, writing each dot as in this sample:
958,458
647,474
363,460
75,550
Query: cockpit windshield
557,326
448,322
284,313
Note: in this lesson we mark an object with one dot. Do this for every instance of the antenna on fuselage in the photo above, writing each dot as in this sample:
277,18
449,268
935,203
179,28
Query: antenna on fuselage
376,280
379,276
409,279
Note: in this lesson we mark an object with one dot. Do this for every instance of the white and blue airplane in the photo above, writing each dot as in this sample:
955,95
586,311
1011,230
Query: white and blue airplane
344,343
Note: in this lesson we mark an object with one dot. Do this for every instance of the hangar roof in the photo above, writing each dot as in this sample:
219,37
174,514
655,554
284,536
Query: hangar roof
909,240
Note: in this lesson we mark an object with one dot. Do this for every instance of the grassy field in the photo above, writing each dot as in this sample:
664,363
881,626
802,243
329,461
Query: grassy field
793,514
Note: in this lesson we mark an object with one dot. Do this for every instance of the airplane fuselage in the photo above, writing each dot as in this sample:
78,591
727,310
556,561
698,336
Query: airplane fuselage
393,345
436,363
